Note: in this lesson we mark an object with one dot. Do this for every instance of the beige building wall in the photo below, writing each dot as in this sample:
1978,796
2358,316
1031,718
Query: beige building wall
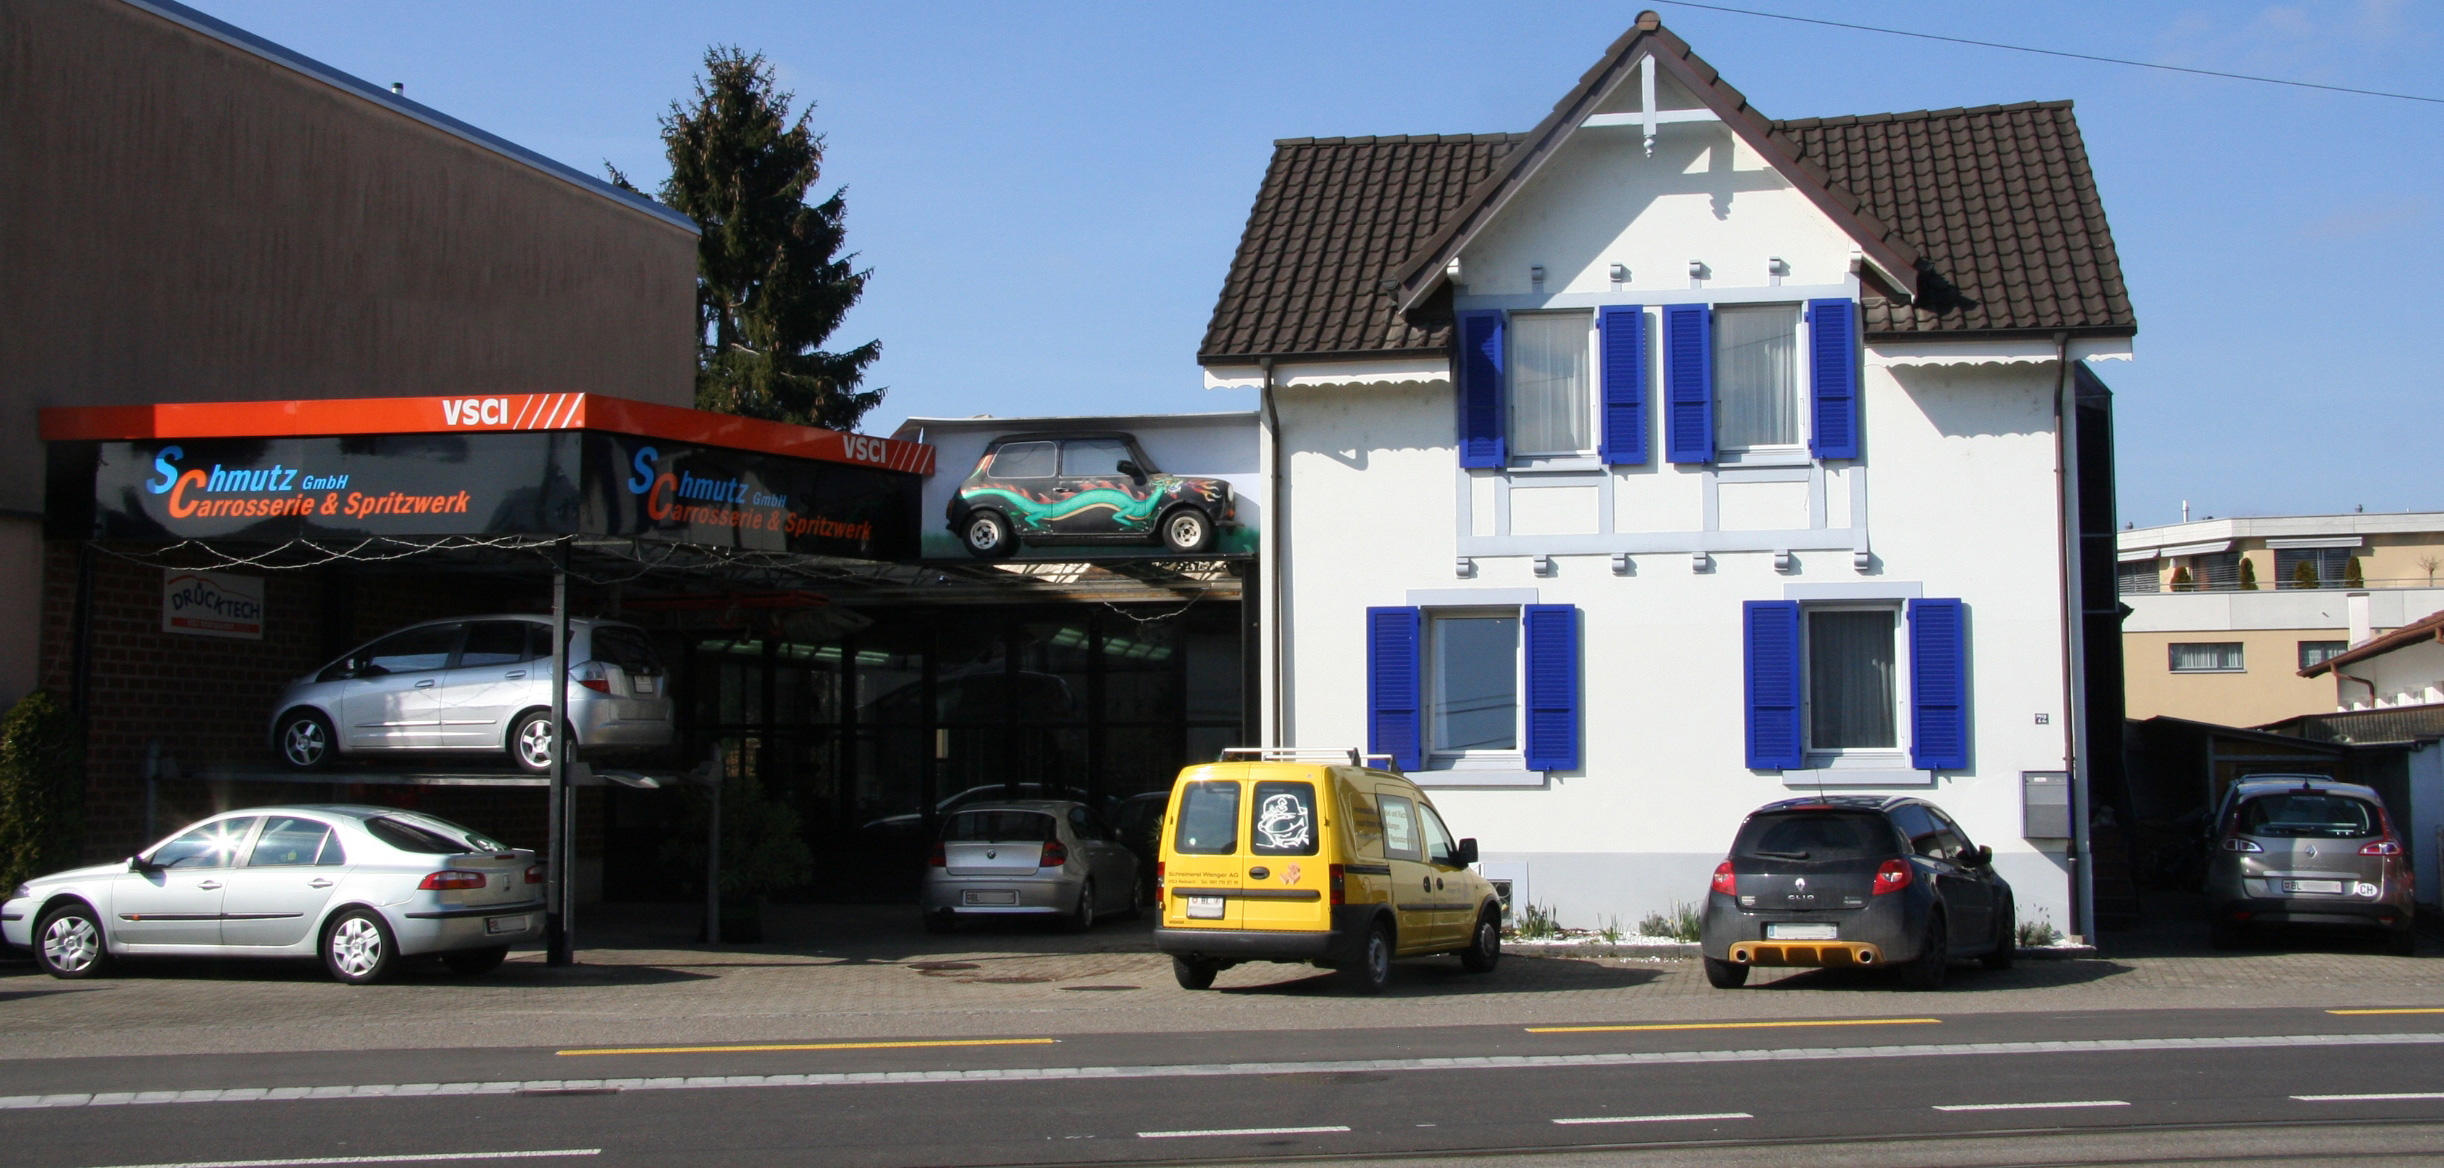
186,219
2268,689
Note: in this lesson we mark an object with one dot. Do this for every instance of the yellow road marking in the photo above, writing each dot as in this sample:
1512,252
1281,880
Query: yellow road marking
767,1046
1735,1025
2402,1010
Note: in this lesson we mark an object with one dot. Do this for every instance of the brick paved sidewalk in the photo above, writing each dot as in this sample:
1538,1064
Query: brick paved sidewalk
863,972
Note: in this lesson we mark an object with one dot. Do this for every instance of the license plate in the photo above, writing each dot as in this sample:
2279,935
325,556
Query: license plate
1801,931
1205,908
988,897
505,924
643,685
2328,887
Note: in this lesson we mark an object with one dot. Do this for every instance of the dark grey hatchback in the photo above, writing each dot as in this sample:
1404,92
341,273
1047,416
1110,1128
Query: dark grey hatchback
1853,880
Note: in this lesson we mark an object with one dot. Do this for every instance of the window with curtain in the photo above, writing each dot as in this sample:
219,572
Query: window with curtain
1852,669
2206,657
2330,565
1551,407
1756,376
1473,658
2217,571
2137,576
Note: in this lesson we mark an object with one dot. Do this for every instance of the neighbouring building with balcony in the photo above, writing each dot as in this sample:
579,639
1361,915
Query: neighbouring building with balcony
2226,614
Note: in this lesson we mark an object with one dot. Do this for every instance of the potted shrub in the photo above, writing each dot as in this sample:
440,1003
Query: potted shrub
2248,574
763,851
2180,578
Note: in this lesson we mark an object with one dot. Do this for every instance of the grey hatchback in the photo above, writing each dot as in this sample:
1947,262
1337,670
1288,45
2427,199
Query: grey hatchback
476,684
2306,850
1045,858
1854,880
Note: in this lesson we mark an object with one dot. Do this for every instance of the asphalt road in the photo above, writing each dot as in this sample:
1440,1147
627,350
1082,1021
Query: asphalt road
2201,1085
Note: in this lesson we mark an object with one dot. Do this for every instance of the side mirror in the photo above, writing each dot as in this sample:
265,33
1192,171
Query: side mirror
1136,473
1466,854
140,865
1981,856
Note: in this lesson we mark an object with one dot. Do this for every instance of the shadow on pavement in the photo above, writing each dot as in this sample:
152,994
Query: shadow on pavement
1435,977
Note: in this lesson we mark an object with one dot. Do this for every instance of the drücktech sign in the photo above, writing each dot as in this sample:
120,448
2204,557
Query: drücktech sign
488,476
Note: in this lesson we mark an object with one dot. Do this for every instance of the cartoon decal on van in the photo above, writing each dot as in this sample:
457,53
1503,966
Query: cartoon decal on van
1285,822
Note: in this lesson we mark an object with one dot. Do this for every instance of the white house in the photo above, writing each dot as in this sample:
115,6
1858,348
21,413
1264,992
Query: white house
1666,460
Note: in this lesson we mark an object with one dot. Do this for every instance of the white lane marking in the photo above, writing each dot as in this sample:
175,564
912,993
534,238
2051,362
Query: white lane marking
71,1099
1242,1131
1695,1118
2031,1106
2386,1098
399,1158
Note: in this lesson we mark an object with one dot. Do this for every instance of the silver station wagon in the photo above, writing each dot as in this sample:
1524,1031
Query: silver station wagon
478,685
359,886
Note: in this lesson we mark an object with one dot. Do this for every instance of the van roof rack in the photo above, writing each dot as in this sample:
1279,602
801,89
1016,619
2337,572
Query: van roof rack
1349,754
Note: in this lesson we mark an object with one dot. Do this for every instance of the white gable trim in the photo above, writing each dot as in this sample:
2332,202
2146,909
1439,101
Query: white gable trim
1352,373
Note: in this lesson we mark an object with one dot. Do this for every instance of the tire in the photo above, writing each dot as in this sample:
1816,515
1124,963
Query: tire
357,947
1373,969
2223,935
987,535
1137,899
472,962
1187,531
68,942
305,741
1725,975
1484,949
2006,939
939,922
530,742
1193,974
1934,957
1082,918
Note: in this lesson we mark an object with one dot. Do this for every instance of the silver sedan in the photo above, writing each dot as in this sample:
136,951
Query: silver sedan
1046,858
358,886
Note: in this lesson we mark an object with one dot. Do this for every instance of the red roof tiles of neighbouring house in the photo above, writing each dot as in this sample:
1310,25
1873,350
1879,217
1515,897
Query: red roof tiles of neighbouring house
2426,628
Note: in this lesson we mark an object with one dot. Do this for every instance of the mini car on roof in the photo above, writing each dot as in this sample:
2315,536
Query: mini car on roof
1083,488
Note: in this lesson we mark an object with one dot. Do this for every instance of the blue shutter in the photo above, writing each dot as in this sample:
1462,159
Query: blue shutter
1688,381
1772,646
1624,442
1394,689
1552,641
1833,377
1480,373
1938,686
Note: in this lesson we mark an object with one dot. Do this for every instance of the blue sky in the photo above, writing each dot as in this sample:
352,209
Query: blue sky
1049,194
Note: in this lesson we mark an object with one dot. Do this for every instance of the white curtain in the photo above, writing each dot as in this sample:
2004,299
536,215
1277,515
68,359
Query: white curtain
1851,700
1550,413
1756,376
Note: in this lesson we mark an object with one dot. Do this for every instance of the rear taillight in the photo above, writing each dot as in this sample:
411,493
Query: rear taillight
1893,876
2382,847
450,878
593,676
2236,844
1339,878
1726,881
534,873
1055,855
937,859
1158,879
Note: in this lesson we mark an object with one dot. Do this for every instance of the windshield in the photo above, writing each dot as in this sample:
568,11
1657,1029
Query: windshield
1815,835
2308,813
999,827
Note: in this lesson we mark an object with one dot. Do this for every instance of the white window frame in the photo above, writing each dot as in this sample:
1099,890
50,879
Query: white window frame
1439,758
1589,395
1802,423
1880,758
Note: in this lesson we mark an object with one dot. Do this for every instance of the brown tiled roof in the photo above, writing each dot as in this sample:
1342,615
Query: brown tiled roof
1998,200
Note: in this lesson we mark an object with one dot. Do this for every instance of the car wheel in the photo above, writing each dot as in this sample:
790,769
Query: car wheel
1373,968
2223,935
1082,917
357,948
530,741
1934,957
986,534
1725,975
1137,898
1187,531
2006,939
1485,947
1193,974
306,741
68,942
470,962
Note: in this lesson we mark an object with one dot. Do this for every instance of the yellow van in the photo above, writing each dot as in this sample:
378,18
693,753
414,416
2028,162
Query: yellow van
1314,856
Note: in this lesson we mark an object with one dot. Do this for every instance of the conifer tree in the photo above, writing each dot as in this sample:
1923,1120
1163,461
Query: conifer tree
771,284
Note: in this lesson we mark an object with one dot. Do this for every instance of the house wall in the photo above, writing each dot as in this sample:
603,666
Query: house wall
2412,675
2269,626
2423,820
1955,496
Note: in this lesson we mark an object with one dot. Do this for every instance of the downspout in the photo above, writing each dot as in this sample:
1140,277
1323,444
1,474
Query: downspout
1277,641
2341,676
2074,658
